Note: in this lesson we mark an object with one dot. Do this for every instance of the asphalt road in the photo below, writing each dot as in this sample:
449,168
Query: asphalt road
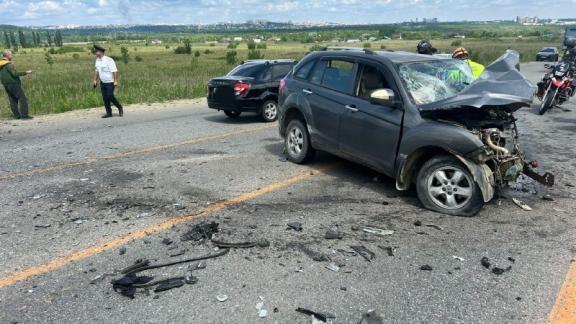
82,197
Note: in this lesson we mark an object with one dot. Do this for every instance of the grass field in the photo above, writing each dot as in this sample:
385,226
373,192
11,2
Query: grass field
162,75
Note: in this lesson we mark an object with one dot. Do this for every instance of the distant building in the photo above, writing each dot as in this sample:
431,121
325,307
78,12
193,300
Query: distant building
397,36
528,21
156,42
238,39
257,40
353,40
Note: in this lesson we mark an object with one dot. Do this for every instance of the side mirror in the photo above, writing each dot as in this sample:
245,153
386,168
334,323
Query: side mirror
384,97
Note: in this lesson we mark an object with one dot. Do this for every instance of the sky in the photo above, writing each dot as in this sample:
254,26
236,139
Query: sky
104,12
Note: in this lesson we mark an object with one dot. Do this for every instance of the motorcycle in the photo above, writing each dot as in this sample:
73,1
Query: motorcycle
557,87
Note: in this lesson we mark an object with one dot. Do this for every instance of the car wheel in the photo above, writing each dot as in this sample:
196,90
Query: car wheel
232,114
297,143
270,111
445,185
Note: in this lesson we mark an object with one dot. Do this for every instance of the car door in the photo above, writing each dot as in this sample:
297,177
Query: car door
330,86
370,132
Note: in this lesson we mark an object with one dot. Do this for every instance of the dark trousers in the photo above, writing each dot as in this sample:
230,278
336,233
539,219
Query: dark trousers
109,98
16,96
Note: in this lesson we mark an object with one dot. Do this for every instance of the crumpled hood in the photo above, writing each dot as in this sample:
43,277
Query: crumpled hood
501,85
3,63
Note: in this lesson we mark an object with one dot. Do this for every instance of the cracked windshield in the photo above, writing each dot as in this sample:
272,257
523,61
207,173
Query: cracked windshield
429,82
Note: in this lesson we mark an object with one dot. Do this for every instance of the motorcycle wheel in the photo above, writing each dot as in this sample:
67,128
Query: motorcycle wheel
548,101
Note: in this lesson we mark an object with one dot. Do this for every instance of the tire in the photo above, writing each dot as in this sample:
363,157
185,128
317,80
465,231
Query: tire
547,101
446,186
297,143
232,114
269,111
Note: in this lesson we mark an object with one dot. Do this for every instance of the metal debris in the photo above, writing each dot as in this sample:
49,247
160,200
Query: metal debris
296,226
202,231
323,317
242,245
521,204
426,268
377,231
333,267
222,298
364,252
333,233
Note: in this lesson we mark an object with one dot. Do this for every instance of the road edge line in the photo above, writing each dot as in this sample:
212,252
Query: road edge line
564,310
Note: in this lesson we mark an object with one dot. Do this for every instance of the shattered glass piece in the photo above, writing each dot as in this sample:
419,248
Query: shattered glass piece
377,231
296,226
364,252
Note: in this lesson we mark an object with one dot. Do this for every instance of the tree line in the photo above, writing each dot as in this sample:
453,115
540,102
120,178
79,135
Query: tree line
35,39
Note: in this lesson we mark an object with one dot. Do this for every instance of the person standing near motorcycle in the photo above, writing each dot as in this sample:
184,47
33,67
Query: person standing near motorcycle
461,53
107,75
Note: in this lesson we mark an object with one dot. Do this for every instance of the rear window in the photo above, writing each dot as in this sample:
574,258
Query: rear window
571,32
548,50
247,70
280,71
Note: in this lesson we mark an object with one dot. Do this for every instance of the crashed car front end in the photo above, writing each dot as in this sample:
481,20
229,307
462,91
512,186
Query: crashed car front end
485,108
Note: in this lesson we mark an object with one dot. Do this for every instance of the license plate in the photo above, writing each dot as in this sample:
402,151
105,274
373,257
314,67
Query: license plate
559,74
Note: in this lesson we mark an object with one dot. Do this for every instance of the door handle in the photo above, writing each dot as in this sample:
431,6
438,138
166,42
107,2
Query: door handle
352,108
308,92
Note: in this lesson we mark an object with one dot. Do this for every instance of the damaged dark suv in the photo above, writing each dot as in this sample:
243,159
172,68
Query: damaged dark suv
423,120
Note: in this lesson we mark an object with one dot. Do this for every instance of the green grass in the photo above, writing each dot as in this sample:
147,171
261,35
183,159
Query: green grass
164,76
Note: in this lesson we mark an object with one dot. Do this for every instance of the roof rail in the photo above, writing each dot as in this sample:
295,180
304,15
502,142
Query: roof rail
344,48
269,61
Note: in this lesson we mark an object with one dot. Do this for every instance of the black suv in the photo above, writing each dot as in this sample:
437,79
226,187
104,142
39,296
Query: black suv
250,87
421,119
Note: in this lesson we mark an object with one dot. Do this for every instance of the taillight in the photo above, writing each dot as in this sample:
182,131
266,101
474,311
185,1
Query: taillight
241,89
282,85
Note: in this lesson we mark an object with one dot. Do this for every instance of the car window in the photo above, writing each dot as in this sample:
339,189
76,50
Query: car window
339,75
370,78
304,70
318,72
280,71
265,74
548,50
247,70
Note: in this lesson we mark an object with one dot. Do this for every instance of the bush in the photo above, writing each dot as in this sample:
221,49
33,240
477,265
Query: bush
138,58
231,57
197,54
316,48
186,49
255,55
212,44
251,45
382,47
208,52
125,55
69,49
76,56
261,46
456,43
232,46
367,45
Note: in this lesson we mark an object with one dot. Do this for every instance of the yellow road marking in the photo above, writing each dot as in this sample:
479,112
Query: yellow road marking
564,311
146,150
121,240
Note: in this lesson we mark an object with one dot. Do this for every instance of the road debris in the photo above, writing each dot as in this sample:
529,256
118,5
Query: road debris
201,231
364,252
426,268
371,318
130,282
333,233
222,298
42,226
314,255
296,226
377,231
521,204
389,250
333,267
434,227
547,198
323,317
262,312
122,251
458,258
417,223
242,245
167,241
496,270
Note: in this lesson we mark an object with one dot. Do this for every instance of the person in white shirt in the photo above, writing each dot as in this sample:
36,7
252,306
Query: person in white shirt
107,75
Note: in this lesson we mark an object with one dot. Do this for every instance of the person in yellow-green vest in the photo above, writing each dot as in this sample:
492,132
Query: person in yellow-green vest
462,54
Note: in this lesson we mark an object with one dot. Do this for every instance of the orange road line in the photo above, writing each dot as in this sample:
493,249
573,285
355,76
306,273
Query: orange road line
146,150
126,238
564,310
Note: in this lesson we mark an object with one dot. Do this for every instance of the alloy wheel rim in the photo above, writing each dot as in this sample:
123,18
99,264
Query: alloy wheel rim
270,111
450,188
295,141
